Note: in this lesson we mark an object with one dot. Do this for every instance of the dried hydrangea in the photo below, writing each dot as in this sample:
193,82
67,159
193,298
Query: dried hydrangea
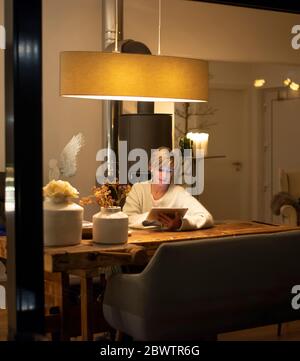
60,189
108,195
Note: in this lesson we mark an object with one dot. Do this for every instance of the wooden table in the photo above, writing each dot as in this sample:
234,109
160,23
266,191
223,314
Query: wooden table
85,259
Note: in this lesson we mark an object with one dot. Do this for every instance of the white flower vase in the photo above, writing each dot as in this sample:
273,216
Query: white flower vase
62,222
110,226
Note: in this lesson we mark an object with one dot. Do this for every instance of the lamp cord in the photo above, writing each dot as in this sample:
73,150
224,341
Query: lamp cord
159,26
116,28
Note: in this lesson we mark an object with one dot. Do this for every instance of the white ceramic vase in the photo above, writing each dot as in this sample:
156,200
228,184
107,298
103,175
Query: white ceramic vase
110,226
62,222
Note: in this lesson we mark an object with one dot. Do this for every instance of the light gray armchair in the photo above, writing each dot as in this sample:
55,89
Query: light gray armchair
194,290
290,183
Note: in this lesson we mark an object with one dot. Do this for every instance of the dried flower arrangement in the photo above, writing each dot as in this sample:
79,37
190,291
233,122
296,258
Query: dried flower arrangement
108,195
58,189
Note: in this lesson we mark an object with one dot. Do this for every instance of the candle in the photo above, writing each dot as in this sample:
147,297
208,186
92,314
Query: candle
200,141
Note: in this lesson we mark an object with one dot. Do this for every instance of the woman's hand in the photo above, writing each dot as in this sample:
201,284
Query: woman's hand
170,223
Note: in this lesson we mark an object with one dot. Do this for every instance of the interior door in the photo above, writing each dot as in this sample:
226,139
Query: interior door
285,139
226,180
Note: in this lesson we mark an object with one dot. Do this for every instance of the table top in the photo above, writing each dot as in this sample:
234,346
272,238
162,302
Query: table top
141,245
149,238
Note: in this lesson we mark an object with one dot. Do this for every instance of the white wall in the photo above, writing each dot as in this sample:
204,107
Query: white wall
70,25
226,192
242,75
213,31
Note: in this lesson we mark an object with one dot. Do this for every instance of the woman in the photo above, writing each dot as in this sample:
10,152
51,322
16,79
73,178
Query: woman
161,192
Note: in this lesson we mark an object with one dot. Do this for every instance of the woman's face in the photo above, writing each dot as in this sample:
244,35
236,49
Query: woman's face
162,175
161,166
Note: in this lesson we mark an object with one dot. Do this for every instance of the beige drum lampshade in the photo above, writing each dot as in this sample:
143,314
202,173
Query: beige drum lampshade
137,77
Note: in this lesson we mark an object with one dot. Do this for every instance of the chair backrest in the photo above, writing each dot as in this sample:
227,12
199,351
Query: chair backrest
223,284
290,182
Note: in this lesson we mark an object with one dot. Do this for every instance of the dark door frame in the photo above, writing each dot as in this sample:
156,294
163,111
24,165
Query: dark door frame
23,135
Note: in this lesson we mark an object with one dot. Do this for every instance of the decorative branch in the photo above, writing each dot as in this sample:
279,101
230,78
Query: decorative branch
185,111
208,111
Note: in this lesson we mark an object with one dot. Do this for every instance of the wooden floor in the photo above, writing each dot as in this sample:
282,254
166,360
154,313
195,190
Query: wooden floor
290,332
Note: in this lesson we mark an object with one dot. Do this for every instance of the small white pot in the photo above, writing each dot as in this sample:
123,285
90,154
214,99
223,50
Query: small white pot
110,226
62,222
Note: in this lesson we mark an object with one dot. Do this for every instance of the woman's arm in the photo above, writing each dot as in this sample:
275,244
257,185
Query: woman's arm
197,216
133,207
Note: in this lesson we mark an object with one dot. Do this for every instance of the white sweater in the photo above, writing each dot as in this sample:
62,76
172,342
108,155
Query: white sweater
140,201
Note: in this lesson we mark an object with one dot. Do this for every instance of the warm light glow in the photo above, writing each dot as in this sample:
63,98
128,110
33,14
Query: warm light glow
189,135
120,76
294,86
287,81
200,141
137,99
259,83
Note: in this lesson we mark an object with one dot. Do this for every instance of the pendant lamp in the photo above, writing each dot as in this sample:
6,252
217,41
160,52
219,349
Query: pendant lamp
136,77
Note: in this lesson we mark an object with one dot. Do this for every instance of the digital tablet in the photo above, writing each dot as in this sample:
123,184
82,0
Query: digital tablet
147,227
170,212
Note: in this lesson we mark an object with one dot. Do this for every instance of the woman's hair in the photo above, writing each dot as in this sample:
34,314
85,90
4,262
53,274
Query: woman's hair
162,157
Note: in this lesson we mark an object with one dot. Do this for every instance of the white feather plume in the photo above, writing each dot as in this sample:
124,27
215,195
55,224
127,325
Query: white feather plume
68,157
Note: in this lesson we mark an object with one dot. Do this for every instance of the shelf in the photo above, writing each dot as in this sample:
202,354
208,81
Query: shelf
213,156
